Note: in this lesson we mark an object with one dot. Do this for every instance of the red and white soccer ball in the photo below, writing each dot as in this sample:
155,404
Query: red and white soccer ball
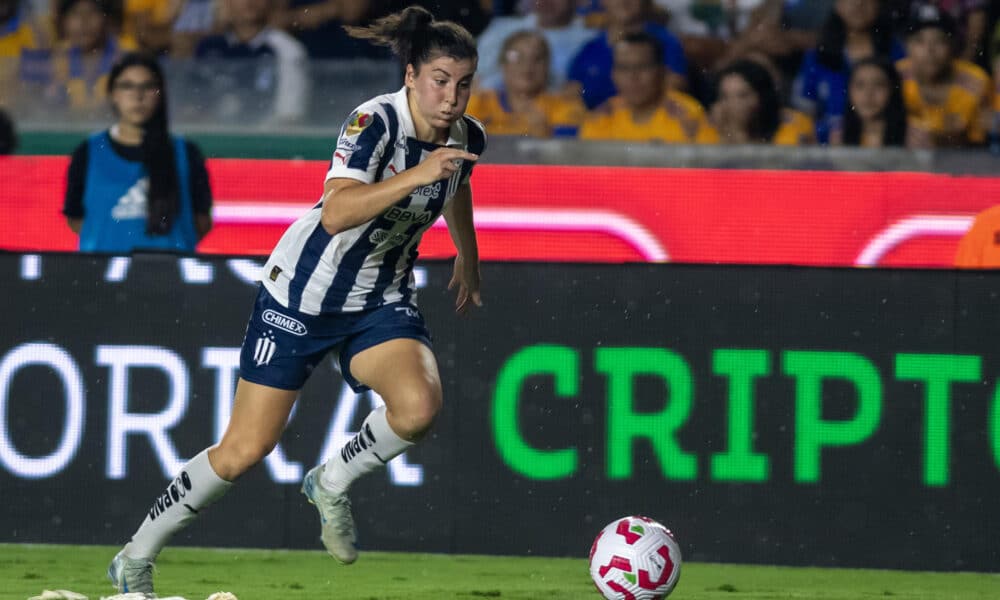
635,558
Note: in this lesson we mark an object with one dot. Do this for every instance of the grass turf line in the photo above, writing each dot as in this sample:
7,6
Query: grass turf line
194,573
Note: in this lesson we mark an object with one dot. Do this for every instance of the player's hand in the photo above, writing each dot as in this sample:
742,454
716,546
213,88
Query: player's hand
442,164
465,279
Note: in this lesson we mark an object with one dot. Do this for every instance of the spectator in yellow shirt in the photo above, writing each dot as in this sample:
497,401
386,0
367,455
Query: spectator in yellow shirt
18,29
747,109
945,97
148,24
522,106
88,46
20,32
644,109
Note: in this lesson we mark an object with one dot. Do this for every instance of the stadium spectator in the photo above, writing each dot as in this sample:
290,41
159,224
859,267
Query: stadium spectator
945,97
645,109
319,25
8,134
966,14
196,20
782,30
855,30
19,31
708,18
591,68
523,106
979,248
148,24
255,70
875,115
971,21
563,29
135,186
77,71
20,28
748,110
707,27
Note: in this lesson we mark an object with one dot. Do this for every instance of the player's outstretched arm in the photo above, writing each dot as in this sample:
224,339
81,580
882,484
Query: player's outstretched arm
465,278
348,202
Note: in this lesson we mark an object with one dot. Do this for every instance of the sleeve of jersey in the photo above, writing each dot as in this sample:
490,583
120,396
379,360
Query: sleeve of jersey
476,143
360,148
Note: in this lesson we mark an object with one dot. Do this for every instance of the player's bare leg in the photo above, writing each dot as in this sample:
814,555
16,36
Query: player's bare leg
404,372
260,414
258,418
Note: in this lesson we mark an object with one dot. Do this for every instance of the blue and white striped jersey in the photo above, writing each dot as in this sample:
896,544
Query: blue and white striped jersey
372,264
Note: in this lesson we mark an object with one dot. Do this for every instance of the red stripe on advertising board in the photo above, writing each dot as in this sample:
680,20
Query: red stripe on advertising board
589,214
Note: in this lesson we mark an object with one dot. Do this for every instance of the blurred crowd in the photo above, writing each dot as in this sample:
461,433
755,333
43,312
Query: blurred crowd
789,72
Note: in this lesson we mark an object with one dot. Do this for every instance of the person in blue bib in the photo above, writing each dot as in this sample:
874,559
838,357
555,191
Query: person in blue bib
134,186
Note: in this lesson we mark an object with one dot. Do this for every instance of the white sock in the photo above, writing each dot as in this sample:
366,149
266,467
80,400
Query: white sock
196,487
373,446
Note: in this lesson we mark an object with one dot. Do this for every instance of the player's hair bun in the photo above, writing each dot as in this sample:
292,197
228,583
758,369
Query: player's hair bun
414,20
415,37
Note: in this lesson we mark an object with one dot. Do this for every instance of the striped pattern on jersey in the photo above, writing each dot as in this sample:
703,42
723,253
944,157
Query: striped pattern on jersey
367,266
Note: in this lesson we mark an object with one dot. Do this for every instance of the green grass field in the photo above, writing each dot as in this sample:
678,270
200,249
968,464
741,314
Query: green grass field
194,573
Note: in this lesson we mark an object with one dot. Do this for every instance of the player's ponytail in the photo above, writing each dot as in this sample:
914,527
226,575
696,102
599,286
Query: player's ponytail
416,38
157,149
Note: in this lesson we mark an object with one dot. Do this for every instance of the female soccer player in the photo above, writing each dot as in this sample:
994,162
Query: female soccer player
135,186
341,278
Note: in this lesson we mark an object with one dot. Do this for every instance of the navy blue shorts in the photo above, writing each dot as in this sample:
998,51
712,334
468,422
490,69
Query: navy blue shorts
282,346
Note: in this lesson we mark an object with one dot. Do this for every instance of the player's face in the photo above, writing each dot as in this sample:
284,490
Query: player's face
135,95
638,75
738,98
526,66
869,92
85,26
929,51
858,15
440,90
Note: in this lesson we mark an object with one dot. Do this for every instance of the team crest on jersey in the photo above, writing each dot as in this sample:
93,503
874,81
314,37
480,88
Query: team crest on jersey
263,351
359,121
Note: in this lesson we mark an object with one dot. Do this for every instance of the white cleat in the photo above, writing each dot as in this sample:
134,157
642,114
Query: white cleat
338,535
131,575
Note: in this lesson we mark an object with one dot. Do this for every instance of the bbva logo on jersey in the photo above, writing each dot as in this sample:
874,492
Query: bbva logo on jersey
293,326
407,215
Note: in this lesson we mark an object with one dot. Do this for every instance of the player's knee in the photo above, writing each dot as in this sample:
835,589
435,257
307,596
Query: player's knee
237,457
416,412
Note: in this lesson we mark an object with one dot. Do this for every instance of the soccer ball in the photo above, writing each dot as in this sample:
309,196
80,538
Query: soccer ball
635,558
